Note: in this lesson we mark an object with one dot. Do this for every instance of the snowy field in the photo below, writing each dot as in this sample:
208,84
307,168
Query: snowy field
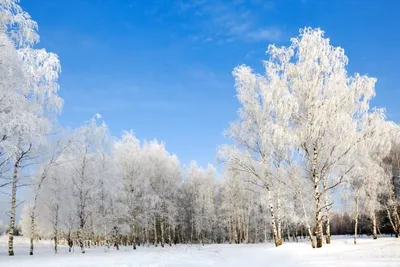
382,252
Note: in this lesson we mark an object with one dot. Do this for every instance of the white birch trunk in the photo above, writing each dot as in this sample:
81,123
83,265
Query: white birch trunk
374,234
310,234
317,197
55,228
155,232
327,214
356,219
13,207
271,210
162,230
278,214
32,235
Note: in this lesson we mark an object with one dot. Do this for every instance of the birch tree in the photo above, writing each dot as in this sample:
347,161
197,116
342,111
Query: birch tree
392,167
129,159
164,180
31,85
85,145
310,94
105,191
200,187
39,181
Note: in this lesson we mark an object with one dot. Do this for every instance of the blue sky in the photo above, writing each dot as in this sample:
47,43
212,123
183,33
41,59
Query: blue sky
163,68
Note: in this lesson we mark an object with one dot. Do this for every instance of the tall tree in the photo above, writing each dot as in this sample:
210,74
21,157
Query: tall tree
85,146
129,160
38,182
306,91
29,92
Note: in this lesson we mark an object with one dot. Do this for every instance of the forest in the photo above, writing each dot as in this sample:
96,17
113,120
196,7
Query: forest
309,157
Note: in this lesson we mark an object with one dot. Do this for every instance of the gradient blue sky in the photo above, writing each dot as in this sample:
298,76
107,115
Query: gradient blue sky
163,68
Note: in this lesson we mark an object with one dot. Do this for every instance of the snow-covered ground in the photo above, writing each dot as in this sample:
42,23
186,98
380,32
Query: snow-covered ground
342,252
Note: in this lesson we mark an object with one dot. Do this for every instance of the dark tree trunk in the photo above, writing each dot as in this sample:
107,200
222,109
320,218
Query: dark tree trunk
13,207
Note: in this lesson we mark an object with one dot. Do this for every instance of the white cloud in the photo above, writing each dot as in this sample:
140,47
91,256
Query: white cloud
266,34
230,21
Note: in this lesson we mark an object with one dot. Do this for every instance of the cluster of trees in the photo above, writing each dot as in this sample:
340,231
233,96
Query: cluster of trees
305,129
96,190
305,137
29,100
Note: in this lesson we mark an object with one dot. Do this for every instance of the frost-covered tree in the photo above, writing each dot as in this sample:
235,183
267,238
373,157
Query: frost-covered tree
105,192
53,161
307,101
17,23
29,92
199,192
164,180
57,204
85,148
390,197
129,161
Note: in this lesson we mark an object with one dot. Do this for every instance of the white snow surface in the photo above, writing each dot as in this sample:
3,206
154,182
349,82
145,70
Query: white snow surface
342,252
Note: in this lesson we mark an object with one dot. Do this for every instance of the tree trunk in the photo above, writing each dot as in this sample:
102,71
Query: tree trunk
147,235
162,230
33,215
13,207
271,210
69,240
143,236
310,234
318,218
374,226
174,231
356,219
146,230
230,230
379,231
328,227
247,226
278,214
169,235
234,226
327,212
177,235
133,237
390,220
396,218
317,197
240,228
256,232
55,241
279,207
32,231
155,232
80,239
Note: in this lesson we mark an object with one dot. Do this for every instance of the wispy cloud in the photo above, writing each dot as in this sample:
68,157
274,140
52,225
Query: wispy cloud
229,21
266,34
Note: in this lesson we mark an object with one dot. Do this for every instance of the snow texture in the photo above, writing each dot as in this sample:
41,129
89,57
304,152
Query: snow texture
342,252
